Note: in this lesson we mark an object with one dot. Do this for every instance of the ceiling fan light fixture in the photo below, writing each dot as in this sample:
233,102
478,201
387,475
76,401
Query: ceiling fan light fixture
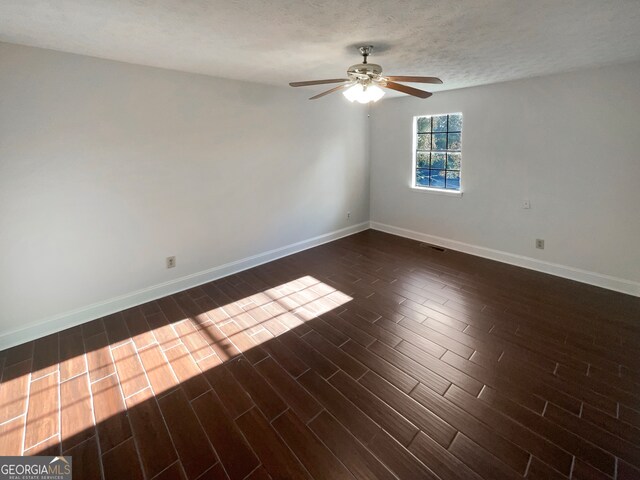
375,93
363,93
353,92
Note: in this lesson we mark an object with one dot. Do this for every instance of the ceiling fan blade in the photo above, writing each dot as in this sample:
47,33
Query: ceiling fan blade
327,92
415,79
409,90
318,82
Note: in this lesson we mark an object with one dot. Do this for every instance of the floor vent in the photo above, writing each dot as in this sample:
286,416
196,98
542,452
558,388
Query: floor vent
433,247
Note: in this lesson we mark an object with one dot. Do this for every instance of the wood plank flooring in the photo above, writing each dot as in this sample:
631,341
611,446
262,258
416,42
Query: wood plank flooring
369,357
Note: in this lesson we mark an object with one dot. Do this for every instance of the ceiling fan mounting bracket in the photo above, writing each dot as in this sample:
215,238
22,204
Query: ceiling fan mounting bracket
365,51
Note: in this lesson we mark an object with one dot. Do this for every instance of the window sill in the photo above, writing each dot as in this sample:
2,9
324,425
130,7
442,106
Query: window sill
437,191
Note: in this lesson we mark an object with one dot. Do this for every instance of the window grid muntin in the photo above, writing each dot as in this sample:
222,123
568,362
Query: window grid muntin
425,138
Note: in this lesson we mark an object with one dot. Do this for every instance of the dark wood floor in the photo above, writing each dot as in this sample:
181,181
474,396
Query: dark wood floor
369,357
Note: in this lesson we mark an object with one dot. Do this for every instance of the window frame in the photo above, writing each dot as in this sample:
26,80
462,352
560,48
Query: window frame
437,190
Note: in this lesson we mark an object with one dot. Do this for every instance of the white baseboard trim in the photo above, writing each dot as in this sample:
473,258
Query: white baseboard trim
97,310
605,281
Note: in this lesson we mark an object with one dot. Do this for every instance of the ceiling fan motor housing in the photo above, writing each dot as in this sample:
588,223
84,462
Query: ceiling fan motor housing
364,71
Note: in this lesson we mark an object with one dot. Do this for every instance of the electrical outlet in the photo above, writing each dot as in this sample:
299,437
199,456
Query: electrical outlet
526,204
348,215
171,262
540,243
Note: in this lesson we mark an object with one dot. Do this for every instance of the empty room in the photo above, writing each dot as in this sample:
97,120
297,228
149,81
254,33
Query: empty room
319,240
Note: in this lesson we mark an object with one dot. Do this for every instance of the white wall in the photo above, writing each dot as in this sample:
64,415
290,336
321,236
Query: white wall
569,143
107,168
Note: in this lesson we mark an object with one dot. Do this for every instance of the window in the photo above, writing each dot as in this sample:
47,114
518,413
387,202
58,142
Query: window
437,151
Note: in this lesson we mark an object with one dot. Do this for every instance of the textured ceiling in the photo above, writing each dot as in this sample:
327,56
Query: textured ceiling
465,42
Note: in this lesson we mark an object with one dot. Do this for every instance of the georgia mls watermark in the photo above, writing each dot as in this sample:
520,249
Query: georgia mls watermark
35,468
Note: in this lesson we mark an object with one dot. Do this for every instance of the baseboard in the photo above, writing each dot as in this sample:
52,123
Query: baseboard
97,310
605,281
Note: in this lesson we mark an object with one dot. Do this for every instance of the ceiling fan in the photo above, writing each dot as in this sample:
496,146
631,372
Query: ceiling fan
364,80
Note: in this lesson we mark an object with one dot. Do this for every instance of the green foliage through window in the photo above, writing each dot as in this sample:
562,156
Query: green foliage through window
438,151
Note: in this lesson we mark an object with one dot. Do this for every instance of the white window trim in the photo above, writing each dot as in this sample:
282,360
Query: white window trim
412,183
437,191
